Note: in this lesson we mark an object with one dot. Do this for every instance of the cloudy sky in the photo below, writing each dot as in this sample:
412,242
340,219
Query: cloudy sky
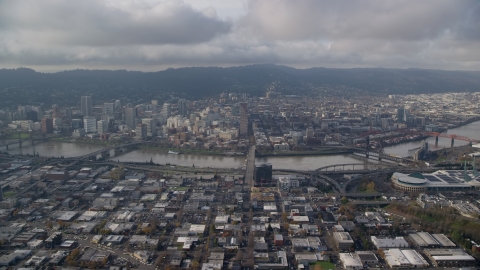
53,35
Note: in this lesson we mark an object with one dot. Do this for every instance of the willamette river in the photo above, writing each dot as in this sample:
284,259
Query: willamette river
57,149
471,131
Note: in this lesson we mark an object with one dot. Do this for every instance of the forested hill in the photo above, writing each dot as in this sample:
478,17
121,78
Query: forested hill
23,85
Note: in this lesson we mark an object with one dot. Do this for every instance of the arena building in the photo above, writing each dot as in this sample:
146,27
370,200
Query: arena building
444,180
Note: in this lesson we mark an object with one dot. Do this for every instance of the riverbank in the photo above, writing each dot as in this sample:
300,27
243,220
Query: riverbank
302,153
182,151
83,141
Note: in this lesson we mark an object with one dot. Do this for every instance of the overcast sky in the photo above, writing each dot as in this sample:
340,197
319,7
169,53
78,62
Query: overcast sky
53,35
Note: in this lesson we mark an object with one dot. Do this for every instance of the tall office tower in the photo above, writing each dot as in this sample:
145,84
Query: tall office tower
21,112
86,104
32,115
130,115
182,107
47,125
243,119
118,105
141,131
102,127
108,108
263,174
90,124
401,114
151,126
56,111
68,113
39,111
166,110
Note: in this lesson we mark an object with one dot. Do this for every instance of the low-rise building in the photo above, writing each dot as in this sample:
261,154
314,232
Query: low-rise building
397,242
367,257
350,261
449,258
343,240
407,258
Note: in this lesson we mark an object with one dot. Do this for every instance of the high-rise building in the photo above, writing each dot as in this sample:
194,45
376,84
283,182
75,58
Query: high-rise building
182,107
68,113
32,115
130,115
401,114
118,105
86,105
102,126
166,110
90,124
151,126
263,174
56,111
108,108
141,131
47,125
243,119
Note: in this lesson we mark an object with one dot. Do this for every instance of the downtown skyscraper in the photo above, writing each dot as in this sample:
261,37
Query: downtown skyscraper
243,119
86,106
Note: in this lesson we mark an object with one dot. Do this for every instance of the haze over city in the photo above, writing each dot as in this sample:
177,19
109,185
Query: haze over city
239,135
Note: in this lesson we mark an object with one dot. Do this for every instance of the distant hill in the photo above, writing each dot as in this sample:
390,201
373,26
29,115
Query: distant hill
23,85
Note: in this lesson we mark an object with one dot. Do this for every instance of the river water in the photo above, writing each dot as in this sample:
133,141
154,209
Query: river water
57,149
471,131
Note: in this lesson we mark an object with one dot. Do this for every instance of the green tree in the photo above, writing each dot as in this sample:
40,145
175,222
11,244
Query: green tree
371,187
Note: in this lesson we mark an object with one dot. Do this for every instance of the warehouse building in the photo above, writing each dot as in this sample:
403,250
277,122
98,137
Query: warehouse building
404,259
449,258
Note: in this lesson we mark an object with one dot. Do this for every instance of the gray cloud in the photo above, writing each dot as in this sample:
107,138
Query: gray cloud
136,35
100,23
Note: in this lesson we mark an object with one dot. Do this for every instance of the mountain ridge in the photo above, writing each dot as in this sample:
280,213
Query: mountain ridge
18,86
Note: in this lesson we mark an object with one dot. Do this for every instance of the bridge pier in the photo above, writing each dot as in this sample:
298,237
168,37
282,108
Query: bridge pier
6,146
367,154
33,142
436,141
20,144
379,158
451,145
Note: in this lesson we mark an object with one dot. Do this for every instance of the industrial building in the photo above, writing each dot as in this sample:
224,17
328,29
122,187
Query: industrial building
343,240
449,258
424,239
404,259
350,261
397,242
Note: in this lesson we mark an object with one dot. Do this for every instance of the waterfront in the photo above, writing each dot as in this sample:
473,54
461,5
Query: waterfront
52,149
285,162
58,149
471,131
